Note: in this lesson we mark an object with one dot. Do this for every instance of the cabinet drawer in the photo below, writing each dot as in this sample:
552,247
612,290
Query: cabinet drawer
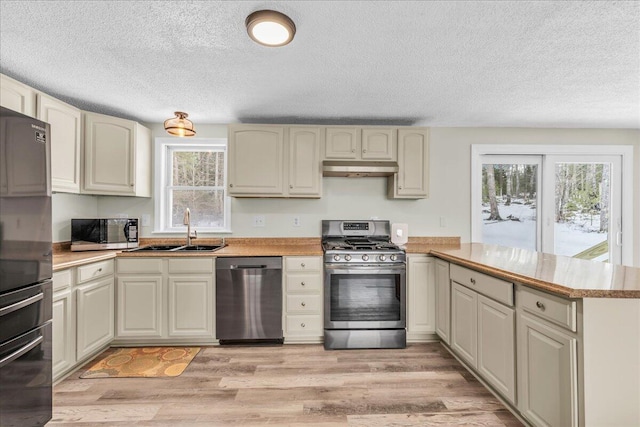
140,265
499,290
303,282
190,265
301,324
302,263
303,304
62,279
558,310
95,270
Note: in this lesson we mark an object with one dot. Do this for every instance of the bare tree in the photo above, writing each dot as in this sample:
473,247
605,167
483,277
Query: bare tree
604,197
491,186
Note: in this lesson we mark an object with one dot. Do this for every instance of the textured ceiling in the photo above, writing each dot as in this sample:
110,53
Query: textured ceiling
445,63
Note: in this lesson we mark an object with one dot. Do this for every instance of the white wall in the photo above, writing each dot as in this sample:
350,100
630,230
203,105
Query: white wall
362,198
66,206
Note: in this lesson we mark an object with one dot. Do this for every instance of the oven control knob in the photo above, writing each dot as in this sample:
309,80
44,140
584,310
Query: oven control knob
393,257
347,257
382,258
336,257
365,257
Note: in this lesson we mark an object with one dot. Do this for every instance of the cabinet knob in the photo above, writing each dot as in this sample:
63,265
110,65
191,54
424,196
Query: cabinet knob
302,265
301,283
353,150
364,150
230,185
132,184
290,185
303,304
100,269
473,281
399,187
540,305
303,325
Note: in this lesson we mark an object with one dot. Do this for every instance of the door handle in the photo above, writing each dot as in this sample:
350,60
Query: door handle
619,238
21,304
21,351
240,267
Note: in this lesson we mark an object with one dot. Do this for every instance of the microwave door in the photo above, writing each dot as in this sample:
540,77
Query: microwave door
116,230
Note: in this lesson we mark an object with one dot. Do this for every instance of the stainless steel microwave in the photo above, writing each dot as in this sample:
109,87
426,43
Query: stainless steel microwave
97,234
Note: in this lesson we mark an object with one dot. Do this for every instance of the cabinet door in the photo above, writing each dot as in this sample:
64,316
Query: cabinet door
140,306
421,296
464,319
547,374
64,334
256,160
412,179
342,143
305,172
65,122
379,144
191,309
109,155
17,96
95,316
496,346
443,301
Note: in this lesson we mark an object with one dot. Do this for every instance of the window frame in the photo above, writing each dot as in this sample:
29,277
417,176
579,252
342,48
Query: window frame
164,147
626,156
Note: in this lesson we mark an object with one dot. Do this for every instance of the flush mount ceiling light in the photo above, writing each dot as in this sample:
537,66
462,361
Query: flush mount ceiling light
179,125
270,28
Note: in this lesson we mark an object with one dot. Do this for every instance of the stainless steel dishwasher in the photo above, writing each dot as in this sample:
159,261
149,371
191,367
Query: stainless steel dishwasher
249,299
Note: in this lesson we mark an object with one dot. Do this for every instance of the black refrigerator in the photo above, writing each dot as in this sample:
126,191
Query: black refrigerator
25,271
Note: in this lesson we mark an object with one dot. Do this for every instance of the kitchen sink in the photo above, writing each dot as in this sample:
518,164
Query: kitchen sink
176,248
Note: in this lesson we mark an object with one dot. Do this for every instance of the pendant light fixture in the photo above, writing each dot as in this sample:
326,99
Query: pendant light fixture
179,125
270,28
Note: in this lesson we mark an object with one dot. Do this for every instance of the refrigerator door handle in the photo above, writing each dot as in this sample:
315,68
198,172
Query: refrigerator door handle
27,348
21,304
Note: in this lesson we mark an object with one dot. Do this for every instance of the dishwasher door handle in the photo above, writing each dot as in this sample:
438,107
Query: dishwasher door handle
241,267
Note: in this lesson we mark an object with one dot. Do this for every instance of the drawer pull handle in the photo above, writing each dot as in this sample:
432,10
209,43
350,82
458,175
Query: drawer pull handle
302,283
540,305
303,304
302,265
100,269
303,325
473,281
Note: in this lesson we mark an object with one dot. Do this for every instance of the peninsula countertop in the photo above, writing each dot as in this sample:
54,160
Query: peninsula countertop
562,275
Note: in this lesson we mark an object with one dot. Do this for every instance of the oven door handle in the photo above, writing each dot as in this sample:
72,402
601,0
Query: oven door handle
21,351
393,269
21,304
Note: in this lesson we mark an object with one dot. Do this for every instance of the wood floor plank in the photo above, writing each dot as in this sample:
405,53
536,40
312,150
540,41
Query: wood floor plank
296,386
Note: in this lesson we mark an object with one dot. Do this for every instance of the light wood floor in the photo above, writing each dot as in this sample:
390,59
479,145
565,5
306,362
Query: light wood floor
292,385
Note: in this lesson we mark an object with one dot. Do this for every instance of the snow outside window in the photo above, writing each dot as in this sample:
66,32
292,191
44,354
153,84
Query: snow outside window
192,175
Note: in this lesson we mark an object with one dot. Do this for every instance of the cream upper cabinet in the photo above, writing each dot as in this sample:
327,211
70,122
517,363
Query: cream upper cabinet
355,143
412,179
66,127
305,173
117,157
17,96
421,302
275,161
256,160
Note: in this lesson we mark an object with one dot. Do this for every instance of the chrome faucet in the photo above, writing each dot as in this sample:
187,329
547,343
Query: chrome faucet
187,221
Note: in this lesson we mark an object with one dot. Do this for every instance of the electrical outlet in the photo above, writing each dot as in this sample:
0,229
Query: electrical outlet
443,222
296,221
259,221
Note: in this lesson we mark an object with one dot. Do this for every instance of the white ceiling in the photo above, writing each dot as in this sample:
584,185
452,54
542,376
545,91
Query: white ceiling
428,63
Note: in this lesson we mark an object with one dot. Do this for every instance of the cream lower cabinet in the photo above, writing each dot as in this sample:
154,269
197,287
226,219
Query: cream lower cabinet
64,331
443,301
95,303
421,300
548,359
117,157
165,299
483,327
303,320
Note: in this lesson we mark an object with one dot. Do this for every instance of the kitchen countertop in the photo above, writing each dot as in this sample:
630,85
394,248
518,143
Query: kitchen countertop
566,276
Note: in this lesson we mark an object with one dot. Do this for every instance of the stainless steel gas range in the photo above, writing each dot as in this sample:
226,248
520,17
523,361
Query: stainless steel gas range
364,286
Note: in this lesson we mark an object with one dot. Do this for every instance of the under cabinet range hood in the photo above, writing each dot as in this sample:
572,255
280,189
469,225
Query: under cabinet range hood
358,169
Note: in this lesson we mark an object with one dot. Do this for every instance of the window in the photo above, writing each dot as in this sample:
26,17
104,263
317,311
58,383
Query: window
565,200
191,174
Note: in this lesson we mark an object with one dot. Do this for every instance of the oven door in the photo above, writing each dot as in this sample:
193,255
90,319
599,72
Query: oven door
365,296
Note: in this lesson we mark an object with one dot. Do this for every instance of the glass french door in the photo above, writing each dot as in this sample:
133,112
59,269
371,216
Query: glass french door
582,216
561,204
